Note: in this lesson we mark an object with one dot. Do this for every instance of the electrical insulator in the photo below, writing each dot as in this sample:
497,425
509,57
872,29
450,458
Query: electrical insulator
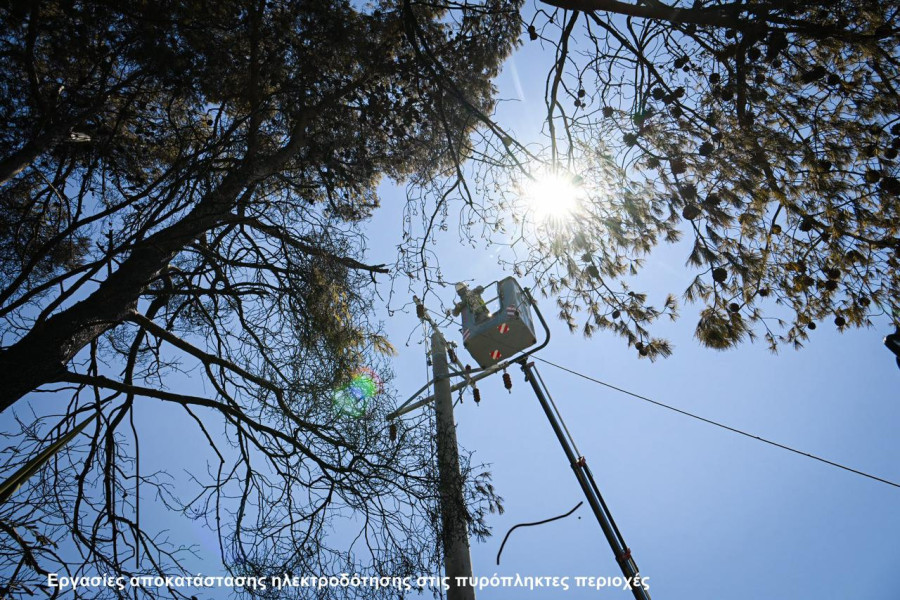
420,311
392,432
452,354
476,395
507,382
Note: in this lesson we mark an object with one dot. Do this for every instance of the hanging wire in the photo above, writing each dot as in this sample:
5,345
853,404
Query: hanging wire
514,527
720,425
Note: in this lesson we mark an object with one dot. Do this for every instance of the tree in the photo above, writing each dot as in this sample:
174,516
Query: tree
182,185
773,130
764,133
189,181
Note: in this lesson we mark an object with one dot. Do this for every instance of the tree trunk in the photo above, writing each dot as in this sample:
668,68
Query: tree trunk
18,161
42,355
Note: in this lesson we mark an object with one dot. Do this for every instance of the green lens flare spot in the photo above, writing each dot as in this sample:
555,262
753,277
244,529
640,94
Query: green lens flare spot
355,398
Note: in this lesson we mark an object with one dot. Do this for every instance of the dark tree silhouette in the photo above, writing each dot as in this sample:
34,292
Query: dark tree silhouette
182,184
764,135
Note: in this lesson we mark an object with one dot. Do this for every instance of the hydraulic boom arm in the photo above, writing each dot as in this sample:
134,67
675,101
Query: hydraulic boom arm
586,481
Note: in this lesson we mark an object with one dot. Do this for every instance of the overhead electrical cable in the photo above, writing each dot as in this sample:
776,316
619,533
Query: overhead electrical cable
717,424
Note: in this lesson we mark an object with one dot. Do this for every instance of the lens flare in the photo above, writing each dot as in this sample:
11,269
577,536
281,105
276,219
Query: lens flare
354,399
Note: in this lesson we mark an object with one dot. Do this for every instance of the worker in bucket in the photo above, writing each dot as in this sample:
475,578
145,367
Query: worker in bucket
472,300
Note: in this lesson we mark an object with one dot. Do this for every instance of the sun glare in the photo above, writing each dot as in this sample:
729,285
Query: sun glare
552,197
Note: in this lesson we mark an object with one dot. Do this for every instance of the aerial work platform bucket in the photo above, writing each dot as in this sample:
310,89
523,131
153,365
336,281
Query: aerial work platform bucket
494,336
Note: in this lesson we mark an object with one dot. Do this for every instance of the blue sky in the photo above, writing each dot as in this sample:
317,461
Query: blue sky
702,508
707,513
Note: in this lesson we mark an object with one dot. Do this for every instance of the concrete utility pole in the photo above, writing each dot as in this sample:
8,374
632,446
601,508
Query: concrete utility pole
457,561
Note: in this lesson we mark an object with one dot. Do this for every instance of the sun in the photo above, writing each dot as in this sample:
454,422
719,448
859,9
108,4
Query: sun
553,197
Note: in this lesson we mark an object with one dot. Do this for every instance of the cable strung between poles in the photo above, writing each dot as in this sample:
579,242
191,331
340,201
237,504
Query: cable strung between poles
721,425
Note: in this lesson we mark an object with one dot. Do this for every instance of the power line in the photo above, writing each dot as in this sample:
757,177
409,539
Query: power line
717,424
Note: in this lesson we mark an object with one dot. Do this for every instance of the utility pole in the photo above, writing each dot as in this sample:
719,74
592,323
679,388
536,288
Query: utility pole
455,534
457,562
